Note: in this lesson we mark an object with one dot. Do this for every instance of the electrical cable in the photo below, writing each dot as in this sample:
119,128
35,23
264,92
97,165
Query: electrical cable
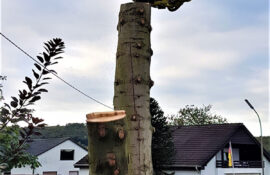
70,85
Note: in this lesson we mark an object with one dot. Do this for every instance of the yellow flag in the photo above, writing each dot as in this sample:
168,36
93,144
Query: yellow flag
230,156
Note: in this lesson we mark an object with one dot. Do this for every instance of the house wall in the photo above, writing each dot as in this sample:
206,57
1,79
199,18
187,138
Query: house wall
267,167
84,171
187,173
210,168
224,171
50,160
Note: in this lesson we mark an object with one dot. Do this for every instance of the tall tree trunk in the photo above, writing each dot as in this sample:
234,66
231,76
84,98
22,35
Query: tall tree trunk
123,147
133,82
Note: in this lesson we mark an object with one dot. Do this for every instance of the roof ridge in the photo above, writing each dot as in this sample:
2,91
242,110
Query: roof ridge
49,138
216,124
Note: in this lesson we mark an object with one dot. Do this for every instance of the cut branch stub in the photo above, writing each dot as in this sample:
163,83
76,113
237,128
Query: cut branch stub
116,171
121,133
101,130
102,117
142,21
111,159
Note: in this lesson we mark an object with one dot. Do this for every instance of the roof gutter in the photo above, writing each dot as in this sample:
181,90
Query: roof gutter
81,165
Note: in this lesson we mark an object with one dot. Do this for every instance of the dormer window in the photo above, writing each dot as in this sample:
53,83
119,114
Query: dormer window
67,154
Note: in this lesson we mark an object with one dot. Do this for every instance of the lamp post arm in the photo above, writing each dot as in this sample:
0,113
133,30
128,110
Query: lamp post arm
250,105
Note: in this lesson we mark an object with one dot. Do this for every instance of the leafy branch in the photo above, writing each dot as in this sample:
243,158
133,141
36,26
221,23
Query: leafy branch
17,110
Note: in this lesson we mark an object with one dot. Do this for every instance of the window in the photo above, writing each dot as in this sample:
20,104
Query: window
49,173
67,154
74,173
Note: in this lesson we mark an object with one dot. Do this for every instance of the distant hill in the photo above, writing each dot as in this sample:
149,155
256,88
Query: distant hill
78,133
266,142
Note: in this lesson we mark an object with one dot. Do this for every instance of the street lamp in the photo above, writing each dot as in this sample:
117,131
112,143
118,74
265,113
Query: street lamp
261,133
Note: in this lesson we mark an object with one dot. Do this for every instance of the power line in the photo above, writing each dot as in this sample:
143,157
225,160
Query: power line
67,83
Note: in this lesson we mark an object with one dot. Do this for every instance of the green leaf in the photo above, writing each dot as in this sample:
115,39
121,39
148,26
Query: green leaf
58,58
48,47
47,78
46,57
40,59
4,112
21,102
35,98
38,66
28,81
36,93
45,72
35,74
15,99
43,90
38,85
13,104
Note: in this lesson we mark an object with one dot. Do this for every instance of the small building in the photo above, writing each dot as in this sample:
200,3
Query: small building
203,150
56,155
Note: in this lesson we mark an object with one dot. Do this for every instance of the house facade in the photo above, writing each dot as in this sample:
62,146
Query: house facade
57,157
203,150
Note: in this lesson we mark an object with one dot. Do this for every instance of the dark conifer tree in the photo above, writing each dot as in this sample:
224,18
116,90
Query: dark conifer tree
162,141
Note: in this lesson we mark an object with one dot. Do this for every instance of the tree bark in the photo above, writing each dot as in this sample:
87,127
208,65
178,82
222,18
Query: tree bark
123,147
106,147
133,83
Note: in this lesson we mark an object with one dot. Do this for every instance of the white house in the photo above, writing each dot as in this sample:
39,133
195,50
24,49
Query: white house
57,157
203,150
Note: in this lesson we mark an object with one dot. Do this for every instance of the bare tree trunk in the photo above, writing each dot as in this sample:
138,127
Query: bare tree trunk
133,82
123,147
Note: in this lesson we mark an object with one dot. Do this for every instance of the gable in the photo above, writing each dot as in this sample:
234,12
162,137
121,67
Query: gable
241,137
40,146
66,145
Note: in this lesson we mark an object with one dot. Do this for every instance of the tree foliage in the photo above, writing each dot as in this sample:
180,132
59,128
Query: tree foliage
13,140
192,115
75,131
162,141
266,142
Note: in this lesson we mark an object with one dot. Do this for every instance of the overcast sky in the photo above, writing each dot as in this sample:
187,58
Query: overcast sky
207,52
